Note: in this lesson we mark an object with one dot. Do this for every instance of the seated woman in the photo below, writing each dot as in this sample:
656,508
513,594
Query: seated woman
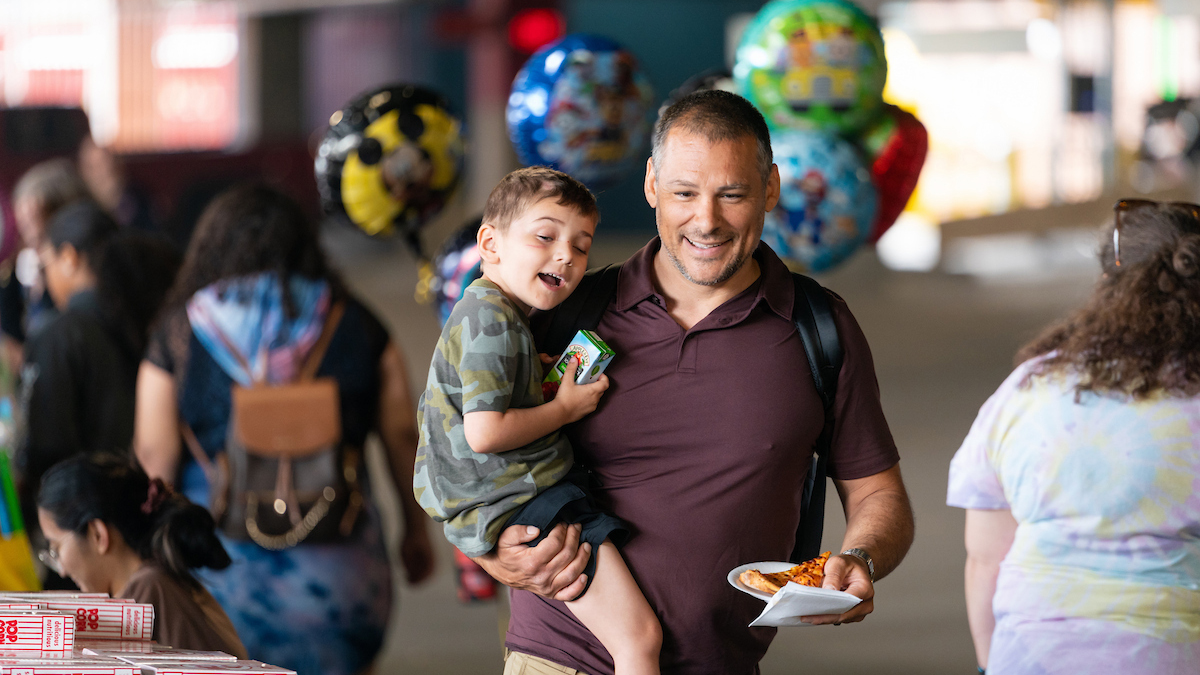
112,529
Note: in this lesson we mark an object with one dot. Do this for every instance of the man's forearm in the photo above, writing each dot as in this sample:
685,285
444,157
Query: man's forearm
879,518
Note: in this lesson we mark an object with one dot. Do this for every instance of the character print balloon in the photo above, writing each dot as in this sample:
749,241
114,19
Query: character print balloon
390,160
813,64
827,201
581,105
453,268
897,144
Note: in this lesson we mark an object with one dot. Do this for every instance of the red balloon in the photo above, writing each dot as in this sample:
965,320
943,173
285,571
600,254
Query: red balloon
898,145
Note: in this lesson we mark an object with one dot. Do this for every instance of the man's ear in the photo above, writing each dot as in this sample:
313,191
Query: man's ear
651,185
100,536
487,240
772,188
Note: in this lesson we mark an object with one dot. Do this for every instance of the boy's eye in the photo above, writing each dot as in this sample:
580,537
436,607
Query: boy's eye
544,238
581,250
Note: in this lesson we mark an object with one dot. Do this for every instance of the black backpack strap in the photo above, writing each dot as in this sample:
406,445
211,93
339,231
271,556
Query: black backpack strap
582,310
813,315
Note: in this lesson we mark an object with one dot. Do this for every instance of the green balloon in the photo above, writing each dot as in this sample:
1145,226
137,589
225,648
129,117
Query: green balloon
813,65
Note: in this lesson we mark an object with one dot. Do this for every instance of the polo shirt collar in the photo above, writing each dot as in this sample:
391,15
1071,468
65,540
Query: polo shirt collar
775,287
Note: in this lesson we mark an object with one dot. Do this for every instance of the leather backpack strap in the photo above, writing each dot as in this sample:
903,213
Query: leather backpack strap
313,361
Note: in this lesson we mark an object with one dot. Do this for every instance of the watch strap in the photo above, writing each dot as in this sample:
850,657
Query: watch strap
865,557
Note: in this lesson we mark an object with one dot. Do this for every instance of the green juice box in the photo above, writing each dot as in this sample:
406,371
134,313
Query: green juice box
593,354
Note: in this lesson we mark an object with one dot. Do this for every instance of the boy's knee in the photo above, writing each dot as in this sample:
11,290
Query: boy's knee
649,633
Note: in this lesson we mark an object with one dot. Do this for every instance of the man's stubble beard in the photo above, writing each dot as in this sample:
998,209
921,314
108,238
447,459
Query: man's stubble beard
731,268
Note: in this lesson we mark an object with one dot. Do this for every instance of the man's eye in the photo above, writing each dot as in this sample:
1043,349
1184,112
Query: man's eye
732,195
683,195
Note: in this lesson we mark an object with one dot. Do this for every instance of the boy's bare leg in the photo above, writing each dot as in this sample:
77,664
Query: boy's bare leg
617,613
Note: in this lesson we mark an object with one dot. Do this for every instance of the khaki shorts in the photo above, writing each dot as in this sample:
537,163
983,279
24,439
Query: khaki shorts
516,663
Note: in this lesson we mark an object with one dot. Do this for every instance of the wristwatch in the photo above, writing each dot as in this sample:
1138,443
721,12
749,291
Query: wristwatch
863,556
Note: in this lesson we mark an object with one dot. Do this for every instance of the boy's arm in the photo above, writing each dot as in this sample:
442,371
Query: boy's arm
490,431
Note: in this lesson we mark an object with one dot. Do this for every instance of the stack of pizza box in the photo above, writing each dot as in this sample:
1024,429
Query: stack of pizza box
63,633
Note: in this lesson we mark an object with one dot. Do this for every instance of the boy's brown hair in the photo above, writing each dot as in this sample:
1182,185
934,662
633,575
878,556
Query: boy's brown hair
523,188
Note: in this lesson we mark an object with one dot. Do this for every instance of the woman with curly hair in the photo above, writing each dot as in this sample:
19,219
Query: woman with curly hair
250,304
1080,475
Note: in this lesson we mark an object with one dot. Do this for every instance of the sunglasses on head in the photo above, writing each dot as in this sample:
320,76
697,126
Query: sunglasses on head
1125,204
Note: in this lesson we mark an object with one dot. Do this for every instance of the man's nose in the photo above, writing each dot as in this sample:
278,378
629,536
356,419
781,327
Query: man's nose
708,214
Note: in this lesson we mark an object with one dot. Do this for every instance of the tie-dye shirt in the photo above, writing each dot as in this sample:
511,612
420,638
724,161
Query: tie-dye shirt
1104,572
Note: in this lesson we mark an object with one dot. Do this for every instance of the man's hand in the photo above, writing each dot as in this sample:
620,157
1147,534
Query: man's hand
552,569
849,574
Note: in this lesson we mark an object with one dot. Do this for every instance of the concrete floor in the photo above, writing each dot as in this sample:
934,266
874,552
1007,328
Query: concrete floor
941,344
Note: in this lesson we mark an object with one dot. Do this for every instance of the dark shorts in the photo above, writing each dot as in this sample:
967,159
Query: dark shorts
569,501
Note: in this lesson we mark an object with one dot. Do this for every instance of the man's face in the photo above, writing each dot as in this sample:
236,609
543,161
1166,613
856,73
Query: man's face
710,201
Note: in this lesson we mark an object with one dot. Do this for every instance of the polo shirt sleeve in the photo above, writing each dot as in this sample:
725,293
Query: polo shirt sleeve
492,348
862,442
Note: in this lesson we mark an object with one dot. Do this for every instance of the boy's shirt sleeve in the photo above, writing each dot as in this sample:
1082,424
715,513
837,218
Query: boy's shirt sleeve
492,344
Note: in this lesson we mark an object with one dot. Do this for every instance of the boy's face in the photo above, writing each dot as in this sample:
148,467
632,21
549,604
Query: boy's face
542,255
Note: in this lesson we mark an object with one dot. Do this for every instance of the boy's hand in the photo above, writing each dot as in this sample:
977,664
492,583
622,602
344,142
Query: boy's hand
579,399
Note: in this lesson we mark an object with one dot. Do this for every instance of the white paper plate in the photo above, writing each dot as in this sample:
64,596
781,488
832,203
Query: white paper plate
792,601
767,567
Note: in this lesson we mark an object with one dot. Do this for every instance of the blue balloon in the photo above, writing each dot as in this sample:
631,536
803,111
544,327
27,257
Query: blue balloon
454,267
827,201
581,105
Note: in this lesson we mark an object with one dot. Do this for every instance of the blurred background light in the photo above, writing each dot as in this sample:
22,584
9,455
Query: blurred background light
913,244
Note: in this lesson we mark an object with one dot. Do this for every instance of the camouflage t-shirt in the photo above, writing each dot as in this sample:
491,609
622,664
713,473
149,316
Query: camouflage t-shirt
485,361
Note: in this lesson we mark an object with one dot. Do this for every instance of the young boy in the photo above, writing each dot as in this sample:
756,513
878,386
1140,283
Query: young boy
491,454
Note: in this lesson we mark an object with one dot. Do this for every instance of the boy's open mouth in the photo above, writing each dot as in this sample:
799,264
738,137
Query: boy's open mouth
551,280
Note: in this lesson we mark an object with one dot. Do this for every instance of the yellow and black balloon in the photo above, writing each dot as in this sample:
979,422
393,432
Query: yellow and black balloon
390,160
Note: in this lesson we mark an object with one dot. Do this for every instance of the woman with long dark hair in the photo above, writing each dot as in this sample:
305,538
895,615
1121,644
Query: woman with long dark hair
113,530
250,305
1079,475
81,368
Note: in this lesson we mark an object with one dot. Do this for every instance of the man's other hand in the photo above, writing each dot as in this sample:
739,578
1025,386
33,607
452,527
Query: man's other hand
552,569
847,573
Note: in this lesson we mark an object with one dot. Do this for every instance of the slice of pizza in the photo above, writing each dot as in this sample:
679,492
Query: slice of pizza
807,573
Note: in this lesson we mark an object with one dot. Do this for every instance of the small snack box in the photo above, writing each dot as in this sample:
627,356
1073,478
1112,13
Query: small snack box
161,654
90,665
594,356
213,668
100,619
113,648
33,654
42,630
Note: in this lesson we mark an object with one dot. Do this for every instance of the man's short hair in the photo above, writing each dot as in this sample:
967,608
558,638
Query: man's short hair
521,189
717,116
53,184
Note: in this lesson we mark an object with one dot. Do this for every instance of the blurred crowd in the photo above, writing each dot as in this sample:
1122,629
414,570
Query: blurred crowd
117,345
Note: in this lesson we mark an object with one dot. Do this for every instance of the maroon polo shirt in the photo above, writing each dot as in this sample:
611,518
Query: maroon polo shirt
701,444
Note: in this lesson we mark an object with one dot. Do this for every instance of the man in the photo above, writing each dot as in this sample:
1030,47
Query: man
703,441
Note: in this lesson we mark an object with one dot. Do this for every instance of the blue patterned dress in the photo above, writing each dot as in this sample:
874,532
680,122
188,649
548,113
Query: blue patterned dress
319,609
